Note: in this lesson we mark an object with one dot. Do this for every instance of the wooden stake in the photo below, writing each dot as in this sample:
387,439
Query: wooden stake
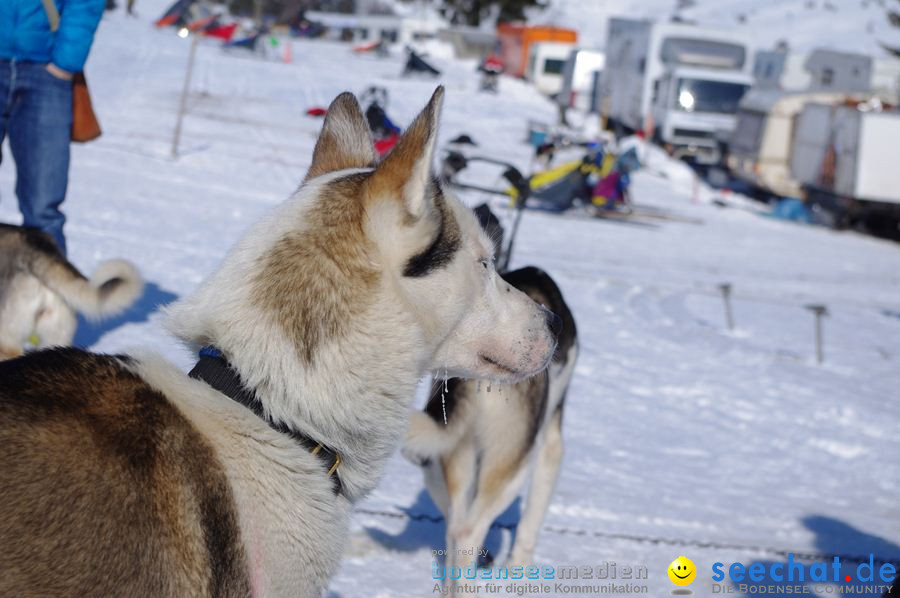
820,311
182,104
726,297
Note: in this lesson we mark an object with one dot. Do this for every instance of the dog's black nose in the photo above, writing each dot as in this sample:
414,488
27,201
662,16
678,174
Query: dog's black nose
554,322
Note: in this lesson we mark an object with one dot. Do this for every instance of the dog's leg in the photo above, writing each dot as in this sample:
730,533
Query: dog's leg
23,300
437,486
56,324
543,482
497,488
9,353
459,468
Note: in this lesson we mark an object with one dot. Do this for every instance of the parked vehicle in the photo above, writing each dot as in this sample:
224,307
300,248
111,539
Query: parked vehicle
640,54
516,42
694,110
845,157
546,62
820,70
761,145
578,78
759,151
886,78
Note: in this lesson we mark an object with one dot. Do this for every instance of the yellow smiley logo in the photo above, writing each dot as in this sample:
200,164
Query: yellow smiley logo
682,571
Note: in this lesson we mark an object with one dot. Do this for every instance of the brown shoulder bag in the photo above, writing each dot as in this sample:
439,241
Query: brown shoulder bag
85,126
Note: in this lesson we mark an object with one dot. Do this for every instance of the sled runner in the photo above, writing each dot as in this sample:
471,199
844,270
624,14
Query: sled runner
454,162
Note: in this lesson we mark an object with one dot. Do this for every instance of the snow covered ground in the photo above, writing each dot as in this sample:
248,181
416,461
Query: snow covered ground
681,437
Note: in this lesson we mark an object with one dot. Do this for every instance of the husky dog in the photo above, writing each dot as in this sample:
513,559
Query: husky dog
40,291
124,476
476,464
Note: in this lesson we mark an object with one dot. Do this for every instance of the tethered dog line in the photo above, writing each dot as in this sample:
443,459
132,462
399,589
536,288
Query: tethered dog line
639,539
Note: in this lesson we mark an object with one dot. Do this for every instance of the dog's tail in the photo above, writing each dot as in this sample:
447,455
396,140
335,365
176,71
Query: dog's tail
113,287
427,439
429,436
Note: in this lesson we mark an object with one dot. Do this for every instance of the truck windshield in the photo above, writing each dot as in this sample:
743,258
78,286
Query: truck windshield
697,95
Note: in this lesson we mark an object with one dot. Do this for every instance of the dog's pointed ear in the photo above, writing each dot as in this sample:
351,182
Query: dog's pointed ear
345,141
406,172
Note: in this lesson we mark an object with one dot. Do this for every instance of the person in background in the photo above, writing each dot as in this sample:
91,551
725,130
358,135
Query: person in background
36,69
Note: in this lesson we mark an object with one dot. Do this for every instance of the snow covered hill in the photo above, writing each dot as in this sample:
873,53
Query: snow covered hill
682,437
851,25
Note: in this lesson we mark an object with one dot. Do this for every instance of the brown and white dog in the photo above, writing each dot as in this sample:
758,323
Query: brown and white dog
477,462
124,476
40,291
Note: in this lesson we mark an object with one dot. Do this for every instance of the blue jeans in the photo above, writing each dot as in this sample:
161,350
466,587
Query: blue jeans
36,113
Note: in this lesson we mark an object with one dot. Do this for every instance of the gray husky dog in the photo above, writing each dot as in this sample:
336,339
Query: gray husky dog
40,291
122,475
477,462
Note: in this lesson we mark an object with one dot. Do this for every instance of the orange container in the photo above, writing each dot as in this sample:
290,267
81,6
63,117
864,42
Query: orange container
516,40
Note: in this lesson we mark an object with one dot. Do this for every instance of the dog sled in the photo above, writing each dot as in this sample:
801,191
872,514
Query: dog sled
455,162
250,43
595,184
374,101
385,132
176,14
416,64
490,68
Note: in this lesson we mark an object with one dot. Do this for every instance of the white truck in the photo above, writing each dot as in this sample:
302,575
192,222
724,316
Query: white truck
677,80
694,110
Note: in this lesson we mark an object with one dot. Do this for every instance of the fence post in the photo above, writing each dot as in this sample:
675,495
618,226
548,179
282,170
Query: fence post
182,104
820,311
725,288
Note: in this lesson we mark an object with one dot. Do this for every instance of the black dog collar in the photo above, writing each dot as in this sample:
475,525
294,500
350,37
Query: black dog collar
215,370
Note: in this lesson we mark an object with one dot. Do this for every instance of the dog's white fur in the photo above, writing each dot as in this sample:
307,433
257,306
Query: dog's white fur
355,397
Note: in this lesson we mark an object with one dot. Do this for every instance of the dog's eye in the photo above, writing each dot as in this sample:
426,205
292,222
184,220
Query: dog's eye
485,262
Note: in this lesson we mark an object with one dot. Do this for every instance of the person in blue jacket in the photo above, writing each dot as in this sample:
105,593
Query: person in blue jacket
36,69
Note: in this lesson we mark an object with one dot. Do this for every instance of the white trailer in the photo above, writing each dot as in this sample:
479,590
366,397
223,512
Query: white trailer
846,159
639,53
578,78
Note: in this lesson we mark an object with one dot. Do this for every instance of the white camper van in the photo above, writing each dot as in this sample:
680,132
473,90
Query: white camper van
546,63
821,69
578,78
760,149
640,53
